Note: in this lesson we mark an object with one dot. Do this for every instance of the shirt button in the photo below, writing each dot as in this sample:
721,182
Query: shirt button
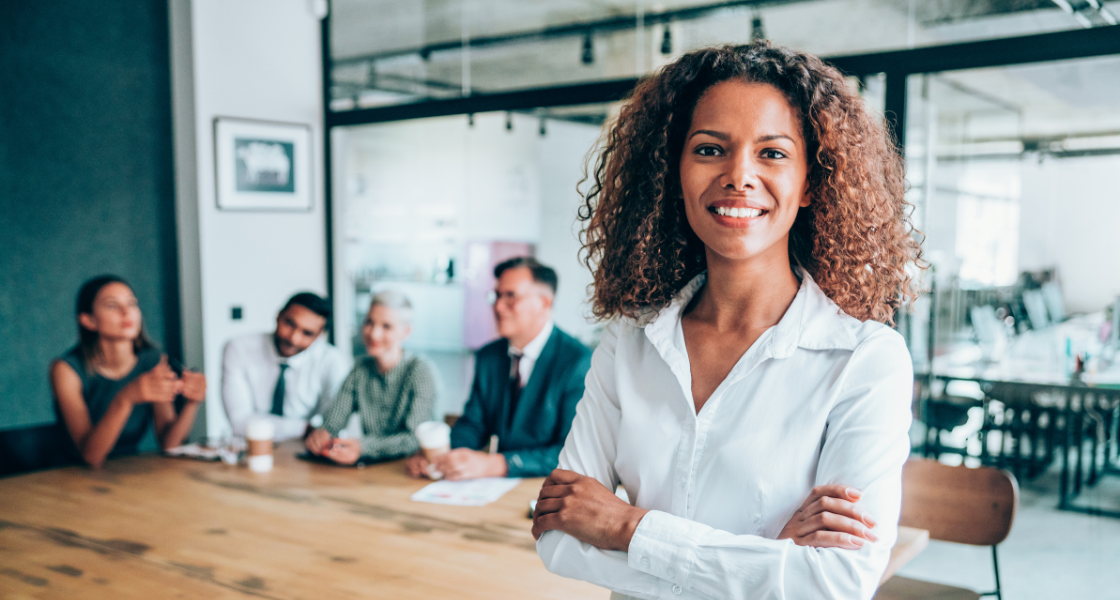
677,589
645,563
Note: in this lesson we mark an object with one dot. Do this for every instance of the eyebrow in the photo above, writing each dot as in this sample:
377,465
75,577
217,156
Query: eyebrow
719,135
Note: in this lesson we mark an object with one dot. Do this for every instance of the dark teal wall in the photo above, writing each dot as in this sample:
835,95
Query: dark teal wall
85,179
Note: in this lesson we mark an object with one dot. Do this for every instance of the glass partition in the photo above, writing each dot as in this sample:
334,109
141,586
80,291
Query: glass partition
1011,170
428,207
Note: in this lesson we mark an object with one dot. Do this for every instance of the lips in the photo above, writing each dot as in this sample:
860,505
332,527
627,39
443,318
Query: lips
736,213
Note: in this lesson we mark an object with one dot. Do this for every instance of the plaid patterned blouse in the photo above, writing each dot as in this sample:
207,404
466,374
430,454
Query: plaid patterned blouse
390,406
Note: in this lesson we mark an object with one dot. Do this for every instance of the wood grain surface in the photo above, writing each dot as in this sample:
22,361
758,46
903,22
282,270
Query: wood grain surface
154,527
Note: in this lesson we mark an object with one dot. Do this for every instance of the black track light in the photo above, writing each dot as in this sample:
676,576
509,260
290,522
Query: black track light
667,41
543,130
470,119
757,32
588,55
509,121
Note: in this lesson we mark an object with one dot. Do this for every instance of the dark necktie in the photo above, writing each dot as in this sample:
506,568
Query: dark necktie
278,393
514,383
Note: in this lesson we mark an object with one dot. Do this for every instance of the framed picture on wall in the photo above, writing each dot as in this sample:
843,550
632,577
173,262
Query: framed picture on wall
262,165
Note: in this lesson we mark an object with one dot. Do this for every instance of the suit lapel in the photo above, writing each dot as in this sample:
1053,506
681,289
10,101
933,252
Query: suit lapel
535,386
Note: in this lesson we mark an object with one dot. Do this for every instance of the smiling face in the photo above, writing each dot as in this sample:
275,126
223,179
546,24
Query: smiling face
297,328
116,314
384,331
743,171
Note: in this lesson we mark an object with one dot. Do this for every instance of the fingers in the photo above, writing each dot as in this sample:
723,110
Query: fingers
545,522
830,539
562,476
829,522
835,490
839,507
554,491
549,505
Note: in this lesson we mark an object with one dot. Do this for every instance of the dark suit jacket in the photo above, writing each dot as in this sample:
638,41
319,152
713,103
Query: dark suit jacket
532,443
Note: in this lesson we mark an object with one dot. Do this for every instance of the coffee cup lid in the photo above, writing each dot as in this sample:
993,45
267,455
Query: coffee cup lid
433,434
260,428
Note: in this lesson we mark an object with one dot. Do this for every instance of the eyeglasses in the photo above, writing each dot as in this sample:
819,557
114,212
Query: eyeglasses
508,298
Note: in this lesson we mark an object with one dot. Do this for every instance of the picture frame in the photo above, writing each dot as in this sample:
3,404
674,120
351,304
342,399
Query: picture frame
262,165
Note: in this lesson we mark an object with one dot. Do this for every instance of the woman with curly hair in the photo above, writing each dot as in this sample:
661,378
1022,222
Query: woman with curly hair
749,239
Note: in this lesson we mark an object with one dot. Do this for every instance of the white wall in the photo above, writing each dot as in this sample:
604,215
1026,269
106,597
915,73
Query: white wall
432,185
252,59
562,154
1070,218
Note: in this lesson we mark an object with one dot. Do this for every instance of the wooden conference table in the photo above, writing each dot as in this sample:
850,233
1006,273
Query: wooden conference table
155,527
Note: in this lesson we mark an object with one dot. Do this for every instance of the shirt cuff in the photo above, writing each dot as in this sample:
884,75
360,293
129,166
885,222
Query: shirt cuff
514,464
661,547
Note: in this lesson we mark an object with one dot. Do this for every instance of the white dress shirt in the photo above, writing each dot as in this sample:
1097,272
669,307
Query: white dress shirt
531,352
820,398
251,368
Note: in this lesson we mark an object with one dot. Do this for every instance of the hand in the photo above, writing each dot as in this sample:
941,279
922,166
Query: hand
158,384
193,386
344,451
318,441
583,508
417,465
829,518
463,463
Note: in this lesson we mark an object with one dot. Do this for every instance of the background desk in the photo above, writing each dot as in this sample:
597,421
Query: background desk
152,527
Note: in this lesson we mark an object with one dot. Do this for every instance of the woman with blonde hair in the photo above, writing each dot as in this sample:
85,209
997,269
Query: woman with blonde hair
749,240
392,390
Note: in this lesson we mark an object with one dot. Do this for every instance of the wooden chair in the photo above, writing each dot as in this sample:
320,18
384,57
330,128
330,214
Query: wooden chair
955,504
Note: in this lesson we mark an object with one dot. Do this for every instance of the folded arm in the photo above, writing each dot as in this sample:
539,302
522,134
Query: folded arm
865,447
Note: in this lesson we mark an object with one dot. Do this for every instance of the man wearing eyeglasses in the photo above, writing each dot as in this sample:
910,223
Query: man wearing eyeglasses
526,385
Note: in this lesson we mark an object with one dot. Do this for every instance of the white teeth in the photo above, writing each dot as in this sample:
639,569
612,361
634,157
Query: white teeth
738,213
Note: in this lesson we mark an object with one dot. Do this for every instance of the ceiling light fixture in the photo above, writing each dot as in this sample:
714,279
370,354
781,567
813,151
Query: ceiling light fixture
588,55
667,41
757,32
509,121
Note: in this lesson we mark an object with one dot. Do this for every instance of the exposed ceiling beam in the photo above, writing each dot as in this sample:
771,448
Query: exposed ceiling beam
576,29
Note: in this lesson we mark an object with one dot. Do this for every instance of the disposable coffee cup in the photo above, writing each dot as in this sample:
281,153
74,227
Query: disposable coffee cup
259,434
435,439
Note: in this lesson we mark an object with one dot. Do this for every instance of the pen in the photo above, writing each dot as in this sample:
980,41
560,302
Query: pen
493,449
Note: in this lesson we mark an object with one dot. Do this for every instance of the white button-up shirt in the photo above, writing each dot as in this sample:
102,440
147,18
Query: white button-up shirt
251,368
820,398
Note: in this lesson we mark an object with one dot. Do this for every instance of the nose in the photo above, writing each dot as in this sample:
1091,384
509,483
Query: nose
741,173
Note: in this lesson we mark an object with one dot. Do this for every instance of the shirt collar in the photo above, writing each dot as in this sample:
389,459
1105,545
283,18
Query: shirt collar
533,349
812,321
299,358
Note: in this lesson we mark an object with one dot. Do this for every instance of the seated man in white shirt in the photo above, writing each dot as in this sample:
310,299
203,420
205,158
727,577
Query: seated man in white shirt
290,375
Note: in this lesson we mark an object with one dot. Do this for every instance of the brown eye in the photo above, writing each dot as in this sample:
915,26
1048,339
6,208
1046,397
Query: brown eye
708,151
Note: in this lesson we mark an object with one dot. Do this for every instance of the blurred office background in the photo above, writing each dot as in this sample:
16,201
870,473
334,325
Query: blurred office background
447,135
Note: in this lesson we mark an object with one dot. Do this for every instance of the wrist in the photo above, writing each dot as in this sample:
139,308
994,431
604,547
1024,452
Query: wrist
498,465
628,527
127,397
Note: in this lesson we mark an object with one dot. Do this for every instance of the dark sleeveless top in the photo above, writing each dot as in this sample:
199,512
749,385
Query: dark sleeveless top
98,391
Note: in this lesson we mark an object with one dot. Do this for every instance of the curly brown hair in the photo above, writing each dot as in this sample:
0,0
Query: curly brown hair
854,238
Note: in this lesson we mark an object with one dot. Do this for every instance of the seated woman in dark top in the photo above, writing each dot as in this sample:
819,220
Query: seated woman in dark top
115,382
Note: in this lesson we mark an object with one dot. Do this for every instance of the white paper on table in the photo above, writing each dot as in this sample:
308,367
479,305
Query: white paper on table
473,492
193,451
